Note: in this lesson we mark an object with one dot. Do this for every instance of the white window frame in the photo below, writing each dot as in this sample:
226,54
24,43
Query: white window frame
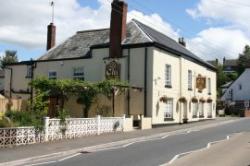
210,109
201,111
168,76
78,75
190,80
54,77
195,109
168,109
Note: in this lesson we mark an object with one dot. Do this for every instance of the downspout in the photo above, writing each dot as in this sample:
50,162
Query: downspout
180,111
32,78
128,97
145,81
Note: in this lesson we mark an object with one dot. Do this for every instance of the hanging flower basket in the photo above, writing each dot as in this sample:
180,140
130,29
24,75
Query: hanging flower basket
163,99
194,100
209,100
182,100
202,100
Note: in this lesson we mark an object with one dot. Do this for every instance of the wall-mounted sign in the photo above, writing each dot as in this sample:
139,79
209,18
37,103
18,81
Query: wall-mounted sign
112,70
200,83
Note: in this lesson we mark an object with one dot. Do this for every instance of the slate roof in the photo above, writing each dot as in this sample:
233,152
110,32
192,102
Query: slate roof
231,62
212,62
137,33
79,44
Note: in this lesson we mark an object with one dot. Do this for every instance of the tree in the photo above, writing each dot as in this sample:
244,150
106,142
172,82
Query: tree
244,60
221,79
9,57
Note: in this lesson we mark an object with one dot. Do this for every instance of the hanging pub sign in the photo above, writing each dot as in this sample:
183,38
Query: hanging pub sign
200,83
113,70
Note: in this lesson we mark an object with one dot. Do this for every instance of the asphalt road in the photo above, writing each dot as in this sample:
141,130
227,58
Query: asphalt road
154,152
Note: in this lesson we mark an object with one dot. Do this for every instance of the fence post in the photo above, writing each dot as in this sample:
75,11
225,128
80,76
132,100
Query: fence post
123,121
46,128
98,117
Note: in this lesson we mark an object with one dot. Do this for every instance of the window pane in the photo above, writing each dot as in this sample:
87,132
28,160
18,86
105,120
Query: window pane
168,75
52,75
168,109
78,73
190,79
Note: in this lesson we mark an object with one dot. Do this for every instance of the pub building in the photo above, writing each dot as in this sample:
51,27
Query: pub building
169,83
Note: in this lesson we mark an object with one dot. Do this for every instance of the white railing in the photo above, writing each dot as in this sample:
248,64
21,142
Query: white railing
54,129
18,136
78,127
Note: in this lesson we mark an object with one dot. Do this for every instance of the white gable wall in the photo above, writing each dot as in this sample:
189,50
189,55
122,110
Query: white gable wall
239,94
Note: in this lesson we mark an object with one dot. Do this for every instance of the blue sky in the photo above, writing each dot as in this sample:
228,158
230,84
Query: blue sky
208,28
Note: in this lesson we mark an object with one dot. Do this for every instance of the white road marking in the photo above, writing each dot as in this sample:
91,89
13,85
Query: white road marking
42,163
164,136
207,147
68,157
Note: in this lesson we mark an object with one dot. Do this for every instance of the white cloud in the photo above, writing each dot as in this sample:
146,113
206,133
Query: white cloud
235,12
233,34
24,22
218,42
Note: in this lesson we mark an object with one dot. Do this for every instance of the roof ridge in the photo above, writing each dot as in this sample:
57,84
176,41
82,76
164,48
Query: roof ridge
136,23
92,30
156,30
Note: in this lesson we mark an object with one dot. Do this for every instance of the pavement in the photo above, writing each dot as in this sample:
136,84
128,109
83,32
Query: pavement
232,152
72,146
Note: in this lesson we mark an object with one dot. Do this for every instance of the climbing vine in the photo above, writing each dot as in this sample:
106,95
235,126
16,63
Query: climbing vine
85,91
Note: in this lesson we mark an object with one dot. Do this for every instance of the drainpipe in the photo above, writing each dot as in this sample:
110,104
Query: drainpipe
145,81
33,66
180,111
128,97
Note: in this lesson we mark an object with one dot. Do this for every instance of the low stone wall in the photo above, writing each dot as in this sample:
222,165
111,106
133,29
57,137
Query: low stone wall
128,124
18,136
146,123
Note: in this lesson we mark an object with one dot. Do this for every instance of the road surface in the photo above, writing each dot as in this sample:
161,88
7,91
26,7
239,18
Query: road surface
157,151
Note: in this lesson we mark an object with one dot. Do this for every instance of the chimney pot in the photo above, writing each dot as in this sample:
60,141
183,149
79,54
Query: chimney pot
51,36
182,41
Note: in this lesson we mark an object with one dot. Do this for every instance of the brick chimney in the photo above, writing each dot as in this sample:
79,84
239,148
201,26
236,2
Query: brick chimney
51,36
182,41
117,27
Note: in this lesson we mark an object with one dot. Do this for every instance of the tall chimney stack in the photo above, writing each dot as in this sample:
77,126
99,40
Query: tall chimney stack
51,36
117,27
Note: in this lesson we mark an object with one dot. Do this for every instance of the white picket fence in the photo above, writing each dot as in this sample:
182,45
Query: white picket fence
54,129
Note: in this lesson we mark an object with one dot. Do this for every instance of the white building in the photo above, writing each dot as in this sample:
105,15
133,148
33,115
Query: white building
239,90
172,85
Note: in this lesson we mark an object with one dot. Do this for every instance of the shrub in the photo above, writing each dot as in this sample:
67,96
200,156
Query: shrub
5,122
25,118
